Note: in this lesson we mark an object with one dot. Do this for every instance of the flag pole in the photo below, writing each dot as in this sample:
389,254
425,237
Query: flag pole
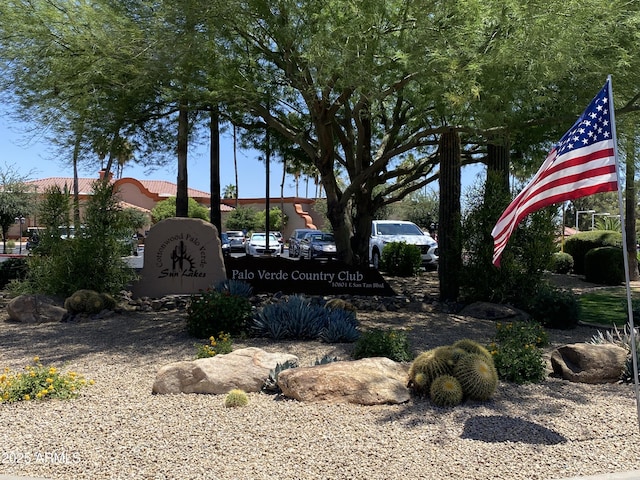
625,255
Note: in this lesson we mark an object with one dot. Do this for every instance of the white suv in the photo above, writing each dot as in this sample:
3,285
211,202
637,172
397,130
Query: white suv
386,231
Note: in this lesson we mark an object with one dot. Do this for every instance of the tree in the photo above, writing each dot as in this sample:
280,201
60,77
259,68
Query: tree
167,209
16,200
242,218
229,191
277,219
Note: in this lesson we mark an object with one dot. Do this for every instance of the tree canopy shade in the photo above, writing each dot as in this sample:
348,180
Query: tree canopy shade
361,90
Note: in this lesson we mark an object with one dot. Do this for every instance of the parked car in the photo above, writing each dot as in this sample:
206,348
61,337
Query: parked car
280,241
386,231
294,240
225,244
317,245
256,245
237,240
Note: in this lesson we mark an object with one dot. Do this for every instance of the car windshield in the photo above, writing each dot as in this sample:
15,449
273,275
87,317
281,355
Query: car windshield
301,234
399,229
324,237
261,237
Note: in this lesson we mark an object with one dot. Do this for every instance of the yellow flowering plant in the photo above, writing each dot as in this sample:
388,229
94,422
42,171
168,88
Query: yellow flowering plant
517,353
39,382
216,346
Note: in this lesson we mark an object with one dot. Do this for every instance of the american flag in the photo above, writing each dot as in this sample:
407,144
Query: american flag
582,163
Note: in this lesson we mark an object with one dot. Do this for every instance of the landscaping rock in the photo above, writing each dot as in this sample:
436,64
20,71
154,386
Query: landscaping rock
370,381
493,311
246,369
35,309
588,363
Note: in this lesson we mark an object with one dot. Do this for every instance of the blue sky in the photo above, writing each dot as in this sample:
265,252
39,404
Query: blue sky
28,152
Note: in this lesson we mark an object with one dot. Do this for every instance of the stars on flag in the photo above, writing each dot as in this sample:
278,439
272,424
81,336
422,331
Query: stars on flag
593,126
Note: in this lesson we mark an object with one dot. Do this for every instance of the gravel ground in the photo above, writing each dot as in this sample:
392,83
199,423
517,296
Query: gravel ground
118,430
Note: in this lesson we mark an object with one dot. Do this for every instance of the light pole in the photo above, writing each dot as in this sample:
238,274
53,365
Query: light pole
593,219
578,212
21,221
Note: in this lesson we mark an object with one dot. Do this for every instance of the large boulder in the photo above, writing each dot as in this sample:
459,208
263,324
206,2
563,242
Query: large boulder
589,363
370,381
493,311
246,369
35,309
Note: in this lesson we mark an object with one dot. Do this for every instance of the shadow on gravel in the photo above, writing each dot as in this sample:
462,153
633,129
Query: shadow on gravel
500,428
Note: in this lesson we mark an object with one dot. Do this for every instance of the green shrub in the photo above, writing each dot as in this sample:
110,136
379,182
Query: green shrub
389,343
235,287
561,262
554,308
236,398
12,269
516,351
604,265
216,346
210,312
340,327
91,260
579,244
39,382
296,318
401,259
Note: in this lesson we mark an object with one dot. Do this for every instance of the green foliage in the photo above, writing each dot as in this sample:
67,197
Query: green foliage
242,218
326,359
446,391
517,353
604,265
554,308
390,343
210,312
12,269
561,262
167,209
216,346
579,244
477,375
271,383
296,318
88,301
401,259
606,307
340,327
277,220
419,208
235,287
15,199
54,211
39,382
91,260
236,398
523,261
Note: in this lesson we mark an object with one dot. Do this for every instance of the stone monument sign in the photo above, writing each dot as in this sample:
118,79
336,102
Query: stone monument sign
181,256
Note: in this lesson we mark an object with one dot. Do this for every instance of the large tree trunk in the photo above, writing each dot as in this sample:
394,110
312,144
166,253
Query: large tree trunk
630,206
214,127
182,195
449,229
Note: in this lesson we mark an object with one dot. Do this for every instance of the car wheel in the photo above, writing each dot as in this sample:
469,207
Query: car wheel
375,259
